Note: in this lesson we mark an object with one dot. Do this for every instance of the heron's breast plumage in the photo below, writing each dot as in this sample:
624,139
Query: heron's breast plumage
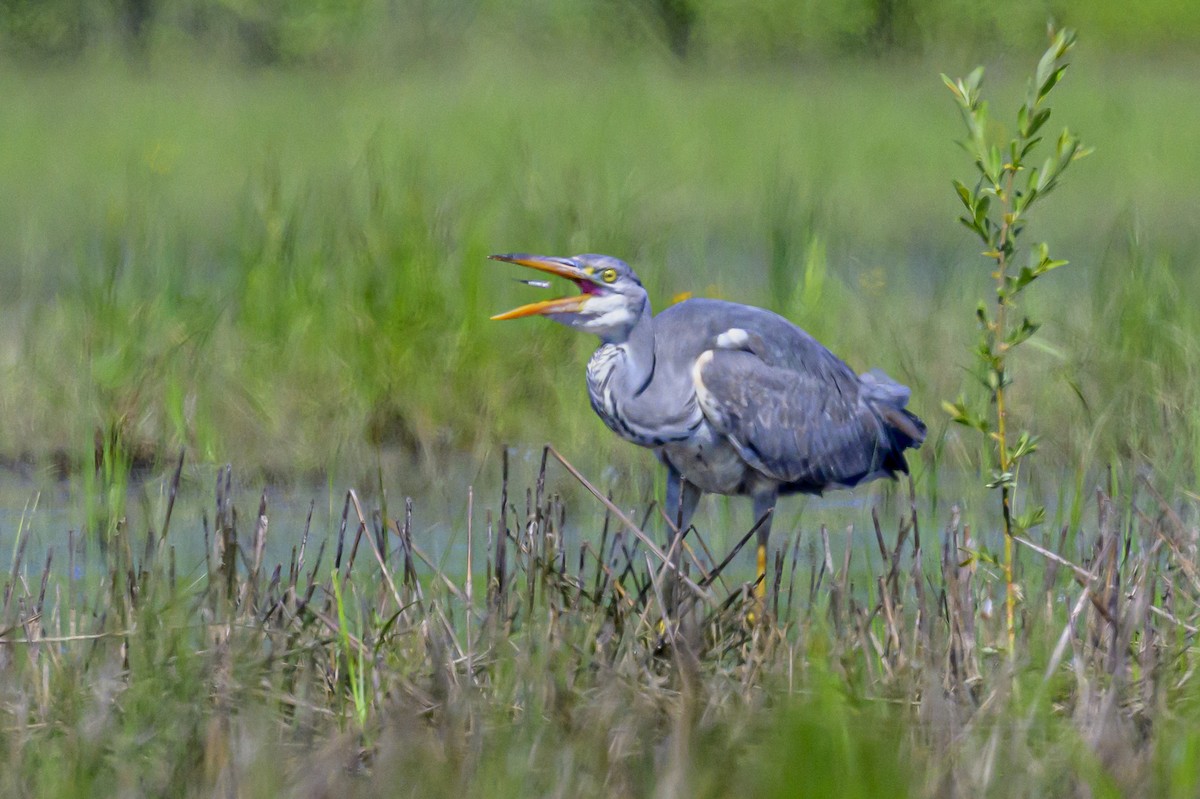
600,370
646,414
675,428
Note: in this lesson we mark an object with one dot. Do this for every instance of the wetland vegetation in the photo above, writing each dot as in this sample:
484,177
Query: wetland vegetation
257,236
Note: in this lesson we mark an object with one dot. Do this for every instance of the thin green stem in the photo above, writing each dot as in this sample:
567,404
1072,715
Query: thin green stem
999,337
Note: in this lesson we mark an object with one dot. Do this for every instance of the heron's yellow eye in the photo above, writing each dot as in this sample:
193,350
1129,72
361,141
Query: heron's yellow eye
609,275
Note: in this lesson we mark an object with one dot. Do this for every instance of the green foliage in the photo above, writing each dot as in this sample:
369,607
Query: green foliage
997,210
328,33
354,657
828,744
51,29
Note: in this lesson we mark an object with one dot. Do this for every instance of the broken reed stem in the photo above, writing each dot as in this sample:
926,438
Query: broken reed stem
633,528
383,568
172,493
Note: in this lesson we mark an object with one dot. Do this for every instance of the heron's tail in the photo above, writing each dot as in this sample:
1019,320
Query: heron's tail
904,428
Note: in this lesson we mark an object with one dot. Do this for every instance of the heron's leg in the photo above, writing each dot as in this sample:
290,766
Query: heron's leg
687,505
674,483
764,506
682,498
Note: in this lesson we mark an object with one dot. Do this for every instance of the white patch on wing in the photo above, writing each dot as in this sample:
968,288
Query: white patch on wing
732,339
703,397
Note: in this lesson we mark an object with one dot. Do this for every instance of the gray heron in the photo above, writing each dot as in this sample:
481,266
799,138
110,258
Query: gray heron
733,399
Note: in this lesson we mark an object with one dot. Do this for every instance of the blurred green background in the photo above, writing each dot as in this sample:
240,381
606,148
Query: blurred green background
257,228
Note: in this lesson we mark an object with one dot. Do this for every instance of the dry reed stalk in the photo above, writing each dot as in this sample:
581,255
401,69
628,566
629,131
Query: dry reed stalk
379,558
629,525
172,493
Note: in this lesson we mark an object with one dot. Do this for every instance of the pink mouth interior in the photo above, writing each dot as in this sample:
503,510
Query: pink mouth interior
588,288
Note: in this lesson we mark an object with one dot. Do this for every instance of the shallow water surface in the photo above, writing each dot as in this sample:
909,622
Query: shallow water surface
44,519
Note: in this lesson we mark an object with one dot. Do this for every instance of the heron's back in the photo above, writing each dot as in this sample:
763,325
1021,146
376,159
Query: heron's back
687,329
795,412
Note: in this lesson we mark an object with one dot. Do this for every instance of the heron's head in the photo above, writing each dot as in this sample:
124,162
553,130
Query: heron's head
610,302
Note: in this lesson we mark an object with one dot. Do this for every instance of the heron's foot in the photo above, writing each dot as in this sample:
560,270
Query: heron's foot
758,613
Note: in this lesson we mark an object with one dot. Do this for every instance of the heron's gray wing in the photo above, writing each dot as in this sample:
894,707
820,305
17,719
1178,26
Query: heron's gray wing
695,325
798,427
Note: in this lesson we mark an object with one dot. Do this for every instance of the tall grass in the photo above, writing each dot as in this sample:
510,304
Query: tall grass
286,269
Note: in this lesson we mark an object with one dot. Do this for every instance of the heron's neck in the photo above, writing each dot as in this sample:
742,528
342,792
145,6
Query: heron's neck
639,352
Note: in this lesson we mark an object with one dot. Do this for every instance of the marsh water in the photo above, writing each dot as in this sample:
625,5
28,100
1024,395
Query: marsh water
44,518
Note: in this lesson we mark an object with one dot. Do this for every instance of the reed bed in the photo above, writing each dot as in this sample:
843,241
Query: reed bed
561,662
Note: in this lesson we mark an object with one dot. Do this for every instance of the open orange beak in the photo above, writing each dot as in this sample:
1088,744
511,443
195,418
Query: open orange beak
562,267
